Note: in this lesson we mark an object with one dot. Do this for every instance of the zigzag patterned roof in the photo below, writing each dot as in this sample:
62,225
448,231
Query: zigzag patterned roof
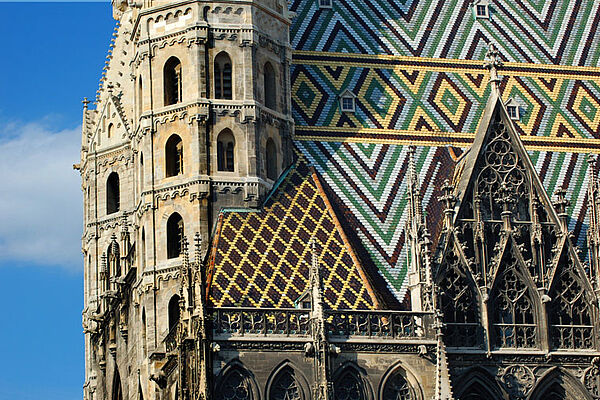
531,31
416,68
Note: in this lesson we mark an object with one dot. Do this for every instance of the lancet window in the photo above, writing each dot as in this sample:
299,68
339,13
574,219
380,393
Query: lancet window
397,388
513,310
459,305
172,80
271,159
174,156
175,232
570,314
234,386
349,387
223,77
285,386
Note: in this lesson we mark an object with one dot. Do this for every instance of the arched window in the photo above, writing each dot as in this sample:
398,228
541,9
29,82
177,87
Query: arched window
285,386
234,385
349,386
117,391
459,304
514,324
226,151
140,96
172,81
397,388
271,159
223,75
173,312
174,156
174,235
570,312
112,193
144,328
143,244
270,87
111,130
141,171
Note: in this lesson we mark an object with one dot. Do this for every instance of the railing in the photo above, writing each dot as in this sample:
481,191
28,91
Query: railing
338,324
379,324
260,321
171,339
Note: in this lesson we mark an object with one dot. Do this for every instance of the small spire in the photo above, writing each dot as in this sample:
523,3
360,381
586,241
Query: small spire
197,247
492,63
85,103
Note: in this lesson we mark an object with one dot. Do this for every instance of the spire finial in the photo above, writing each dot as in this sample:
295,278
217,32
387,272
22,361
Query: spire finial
85,103
492,63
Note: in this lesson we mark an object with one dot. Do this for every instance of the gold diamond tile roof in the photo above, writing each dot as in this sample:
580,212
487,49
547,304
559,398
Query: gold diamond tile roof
262,258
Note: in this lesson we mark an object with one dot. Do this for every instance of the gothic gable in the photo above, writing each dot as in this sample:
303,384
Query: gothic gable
504,240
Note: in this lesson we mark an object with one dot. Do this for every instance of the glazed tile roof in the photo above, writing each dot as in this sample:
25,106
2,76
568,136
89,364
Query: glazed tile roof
262,258
416,69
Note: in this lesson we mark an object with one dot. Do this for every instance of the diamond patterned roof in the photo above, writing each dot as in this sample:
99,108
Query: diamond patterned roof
262,258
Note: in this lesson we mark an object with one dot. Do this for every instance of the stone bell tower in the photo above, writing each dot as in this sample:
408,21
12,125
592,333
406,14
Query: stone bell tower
192,115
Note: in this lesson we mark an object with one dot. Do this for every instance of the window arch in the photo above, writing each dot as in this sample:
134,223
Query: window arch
144,329
175,234
112,193
111,130
558,384
270,87
172,78
173,311
571,325
396,387
143,244
459,304
478,384
141,171
512,307
285,386
349,386
271,159
174,156
235,384
140,96
223,77
226,151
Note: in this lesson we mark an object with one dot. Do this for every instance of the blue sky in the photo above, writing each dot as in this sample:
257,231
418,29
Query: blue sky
53,55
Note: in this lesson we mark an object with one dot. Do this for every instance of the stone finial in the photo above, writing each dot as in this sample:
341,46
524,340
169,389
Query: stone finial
492,63
85,103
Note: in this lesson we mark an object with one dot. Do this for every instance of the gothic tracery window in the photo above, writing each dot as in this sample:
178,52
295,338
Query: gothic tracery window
397,388
234,386
459,306
570,313
285,386
349,387
513,308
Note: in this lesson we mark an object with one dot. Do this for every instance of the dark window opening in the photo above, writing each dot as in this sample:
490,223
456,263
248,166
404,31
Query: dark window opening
173,312
223,77
172,81
112,193
226,151
174,236
271,151
270,88
174,156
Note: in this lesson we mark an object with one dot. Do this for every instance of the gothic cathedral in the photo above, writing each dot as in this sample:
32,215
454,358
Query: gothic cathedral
344,199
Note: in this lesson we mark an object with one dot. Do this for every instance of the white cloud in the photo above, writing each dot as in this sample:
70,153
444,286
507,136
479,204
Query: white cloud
40,197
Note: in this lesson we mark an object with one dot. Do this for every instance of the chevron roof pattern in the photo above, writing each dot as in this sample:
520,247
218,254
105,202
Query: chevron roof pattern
531,31
262,258
416,69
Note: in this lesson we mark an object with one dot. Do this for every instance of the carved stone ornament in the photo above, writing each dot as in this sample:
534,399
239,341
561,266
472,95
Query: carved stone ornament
591,378
518,380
